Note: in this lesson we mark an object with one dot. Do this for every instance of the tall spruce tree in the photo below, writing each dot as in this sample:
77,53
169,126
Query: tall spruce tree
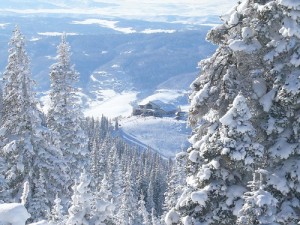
103,207
1,102
80,211
175,185
258,57
27,147
65,116
128,209
39,201
143,213
56,216
150,202
2,161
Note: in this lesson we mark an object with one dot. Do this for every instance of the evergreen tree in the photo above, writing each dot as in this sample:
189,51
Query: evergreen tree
159,185
143,211
3,182
65,116
27,147
1,103
127,212
105,190
39,202
154,219
260,205
16,113
149,203
221,175
117,181
236,136
111,166
2,161
95,163
263,34
56,216
175,186
103,157
102,210
80,210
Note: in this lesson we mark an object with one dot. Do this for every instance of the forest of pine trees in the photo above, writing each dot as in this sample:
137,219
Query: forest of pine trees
242,167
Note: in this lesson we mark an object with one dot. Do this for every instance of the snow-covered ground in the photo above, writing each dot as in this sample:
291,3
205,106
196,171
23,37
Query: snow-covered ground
53,34
13,213
165,135
112,104
107,24
108,103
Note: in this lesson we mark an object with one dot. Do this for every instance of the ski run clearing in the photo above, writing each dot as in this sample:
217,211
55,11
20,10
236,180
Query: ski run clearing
165,135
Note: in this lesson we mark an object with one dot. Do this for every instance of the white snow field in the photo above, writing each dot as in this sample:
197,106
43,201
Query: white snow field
13,214
111,104
165,135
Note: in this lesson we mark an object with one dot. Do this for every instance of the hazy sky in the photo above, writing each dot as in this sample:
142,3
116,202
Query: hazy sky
130,8
172,7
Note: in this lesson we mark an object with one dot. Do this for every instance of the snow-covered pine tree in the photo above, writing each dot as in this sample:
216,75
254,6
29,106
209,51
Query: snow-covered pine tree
227,155
142,177
117,181
80,210
149,199
126,214
65,116
103,207
3,182
111,165
56,216
1,102
154,218
105,190
27,147
39,202
236,136
17,73
260,206
104,127
2,162
143,213
283,122
95,183
257,56
159,185
103,157
176,181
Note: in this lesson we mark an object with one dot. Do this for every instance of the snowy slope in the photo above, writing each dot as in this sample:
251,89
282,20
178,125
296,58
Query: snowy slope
13,213
165,135
111,104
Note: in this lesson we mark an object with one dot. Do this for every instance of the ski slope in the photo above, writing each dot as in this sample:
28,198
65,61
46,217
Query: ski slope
165,135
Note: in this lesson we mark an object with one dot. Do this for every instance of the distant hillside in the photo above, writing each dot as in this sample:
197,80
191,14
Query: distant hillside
121,62
153,54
